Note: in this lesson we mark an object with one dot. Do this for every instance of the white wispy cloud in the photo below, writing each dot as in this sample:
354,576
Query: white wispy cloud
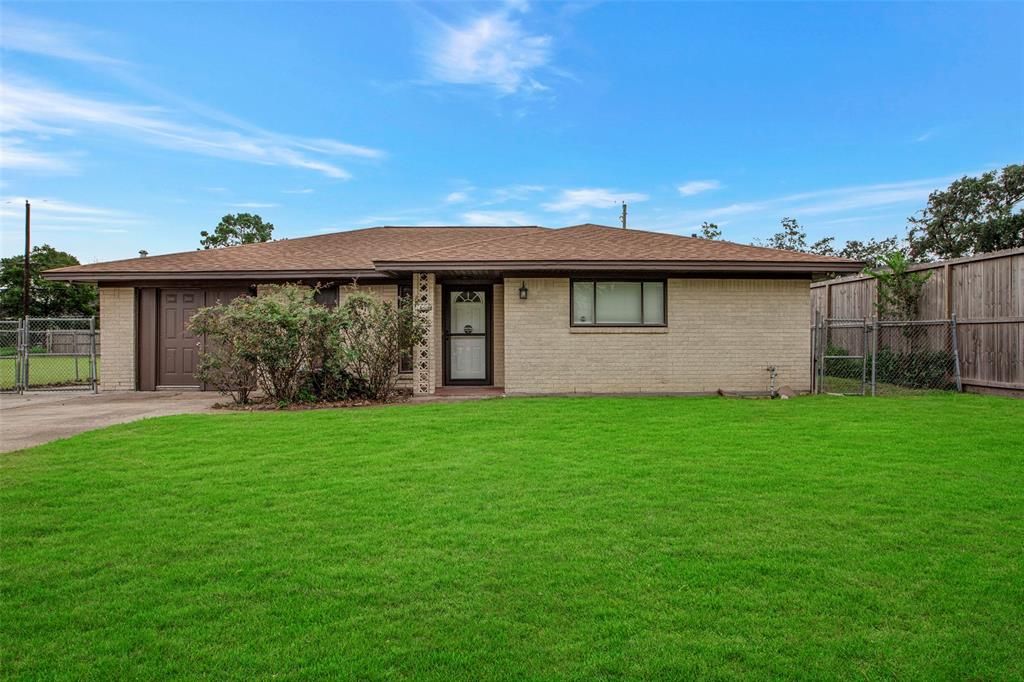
576,199
489,49
501,195
825,201
14,155
688,189
456,197
50,214
49,39
31,107
298,191
497,218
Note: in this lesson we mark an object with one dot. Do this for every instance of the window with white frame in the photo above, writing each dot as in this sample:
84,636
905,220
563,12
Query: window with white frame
617,303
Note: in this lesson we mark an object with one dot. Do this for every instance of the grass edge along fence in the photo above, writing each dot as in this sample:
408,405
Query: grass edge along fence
52,354
884,357
985,294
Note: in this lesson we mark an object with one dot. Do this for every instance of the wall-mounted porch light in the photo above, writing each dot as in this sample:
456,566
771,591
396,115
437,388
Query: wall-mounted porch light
523,292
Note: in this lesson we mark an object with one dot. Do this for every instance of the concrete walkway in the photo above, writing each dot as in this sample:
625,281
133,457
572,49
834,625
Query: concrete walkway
35,418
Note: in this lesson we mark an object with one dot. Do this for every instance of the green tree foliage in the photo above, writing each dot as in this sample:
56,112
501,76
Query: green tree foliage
294,349
46,299
235,229
793,237
974,215
899,289
709,231
873,252
375,335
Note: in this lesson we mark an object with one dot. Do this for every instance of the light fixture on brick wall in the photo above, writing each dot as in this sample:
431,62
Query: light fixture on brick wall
523,292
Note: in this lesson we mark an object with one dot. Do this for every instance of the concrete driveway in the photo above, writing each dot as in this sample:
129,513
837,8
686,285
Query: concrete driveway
35,418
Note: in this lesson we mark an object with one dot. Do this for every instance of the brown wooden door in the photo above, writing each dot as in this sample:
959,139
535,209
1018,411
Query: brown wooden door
178,349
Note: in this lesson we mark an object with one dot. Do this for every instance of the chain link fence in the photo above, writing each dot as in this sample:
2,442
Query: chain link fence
58,353
10,360
884,357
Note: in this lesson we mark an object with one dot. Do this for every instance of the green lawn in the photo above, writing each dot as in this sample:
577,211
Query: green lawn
541,538
48,371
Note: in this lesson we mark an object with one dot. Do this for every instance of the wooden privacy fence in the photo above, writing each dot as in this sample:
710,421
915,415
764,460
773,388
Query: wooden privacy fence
985,293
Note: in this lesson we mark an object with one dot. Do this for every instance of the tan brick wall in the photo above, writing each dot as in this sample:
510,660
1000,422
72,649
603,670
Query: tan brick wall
117,338
385,292
721,333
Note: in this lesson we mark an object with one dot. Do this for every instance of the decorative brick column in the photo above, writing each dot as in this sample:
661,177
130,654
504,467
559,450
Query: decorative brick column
423,356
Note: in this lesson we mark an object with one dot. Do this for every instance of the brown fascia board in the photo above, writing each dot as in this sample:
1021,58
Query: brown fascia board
271,275
631,266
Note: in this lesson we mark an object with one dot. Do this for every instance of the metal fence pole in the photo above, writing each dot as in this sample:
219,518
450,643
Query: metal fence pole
956,353
864,360
874,357
19,356
92,353
25,346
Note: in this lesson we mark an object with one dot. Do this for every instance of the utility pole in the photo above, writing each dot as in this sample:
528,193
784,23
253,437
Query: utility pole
26,280
623,216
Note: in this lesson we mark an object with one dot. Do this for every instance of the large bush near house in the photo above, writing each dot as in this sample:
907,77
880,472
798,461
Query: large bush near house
375,335
294,349
222,364
289,344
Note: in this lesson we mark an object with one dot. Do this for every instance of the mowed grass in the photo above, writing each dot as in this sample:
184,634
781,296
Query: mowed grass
48,371
586,538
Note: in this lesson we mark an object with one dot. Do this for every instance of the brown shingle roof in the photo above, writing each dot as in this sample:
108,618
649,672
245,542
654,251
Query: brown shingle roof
372,250
351,251
600,243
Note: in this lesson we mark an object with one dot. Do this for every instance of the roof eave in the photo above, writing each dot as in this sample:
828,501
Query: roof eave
257,275
631,266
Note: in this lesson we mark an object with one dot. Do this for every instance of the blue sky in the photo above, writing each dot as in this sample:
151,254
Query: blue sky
135,126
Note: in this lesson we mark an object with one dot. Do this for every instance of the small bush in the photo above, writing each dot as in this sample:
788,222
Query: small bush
221,364
375,335
279,338
923,369
295,349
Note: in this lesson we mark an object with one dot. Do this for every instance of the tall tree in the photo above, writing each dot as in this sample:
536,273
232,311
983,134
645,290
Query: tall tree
974,215
46,298
793,237
235,229
709,231
874,252
899,289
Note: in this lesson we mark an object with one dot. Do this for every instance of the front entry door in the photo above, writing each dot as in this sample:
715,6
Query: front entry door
467,334
178,349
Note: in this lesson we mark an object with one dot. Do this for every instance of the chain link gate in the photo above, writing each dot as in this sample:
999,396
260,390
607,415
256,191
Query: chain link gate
884,357
51,354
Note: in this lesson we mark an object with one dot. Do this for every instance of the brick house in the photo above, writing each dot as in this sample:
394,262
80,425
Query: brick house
582,309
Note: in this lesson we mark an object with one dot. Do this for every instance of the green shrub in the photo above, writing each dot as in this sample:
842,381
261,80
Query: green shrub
295,349
929,369
375,335
221,364
276,340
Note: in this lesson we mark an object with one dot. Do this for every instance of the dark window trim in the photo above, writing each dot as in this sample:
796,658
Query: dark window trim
640,281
